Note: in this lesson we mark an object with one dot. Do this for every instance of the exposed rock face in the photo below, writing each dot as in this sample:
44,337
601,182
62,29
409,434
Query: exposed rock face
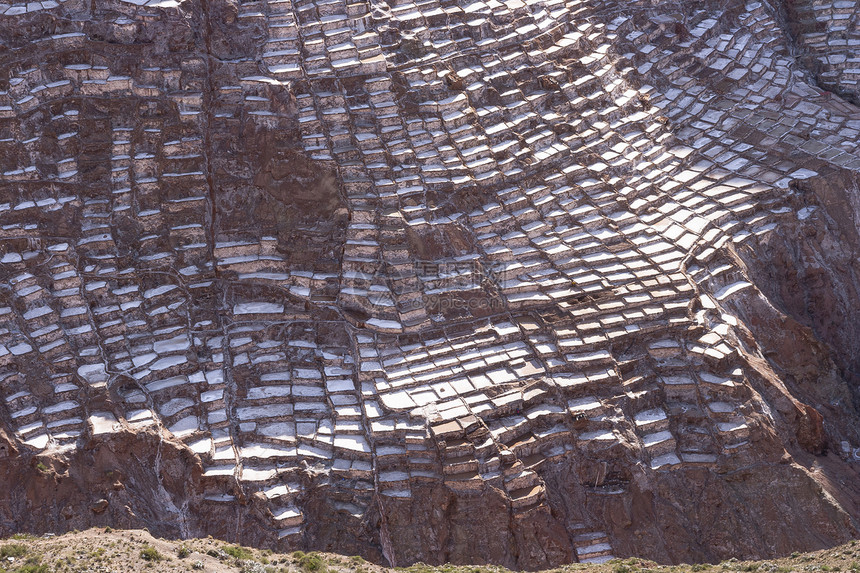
520,283
827,35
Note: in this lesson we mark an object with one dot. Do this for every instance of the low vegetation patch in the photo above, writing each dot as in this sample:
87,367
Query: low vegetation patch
106,550
150,554
13,550
310,562
238,552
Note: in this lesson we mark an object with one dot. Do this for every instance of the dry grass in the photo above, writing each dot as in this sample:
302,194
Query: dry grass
104,551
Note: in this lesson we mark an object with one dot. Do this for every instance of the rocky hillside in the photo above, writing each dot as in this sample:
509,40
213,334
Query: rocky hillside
105,551
521,282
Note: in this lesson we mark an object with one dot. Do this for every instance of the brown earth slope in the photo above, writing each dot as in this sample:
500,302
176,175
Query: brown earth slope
518,283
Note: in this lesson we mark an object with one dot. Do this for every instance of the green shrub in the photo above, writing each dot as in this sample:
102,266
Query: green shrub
183,552
98,553
33,565
311,562
238,552
149,553
13,550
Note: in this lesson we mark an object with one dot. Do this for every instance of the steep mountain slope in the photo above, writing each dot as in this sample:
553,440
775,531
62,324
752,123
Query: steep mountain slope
368,277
